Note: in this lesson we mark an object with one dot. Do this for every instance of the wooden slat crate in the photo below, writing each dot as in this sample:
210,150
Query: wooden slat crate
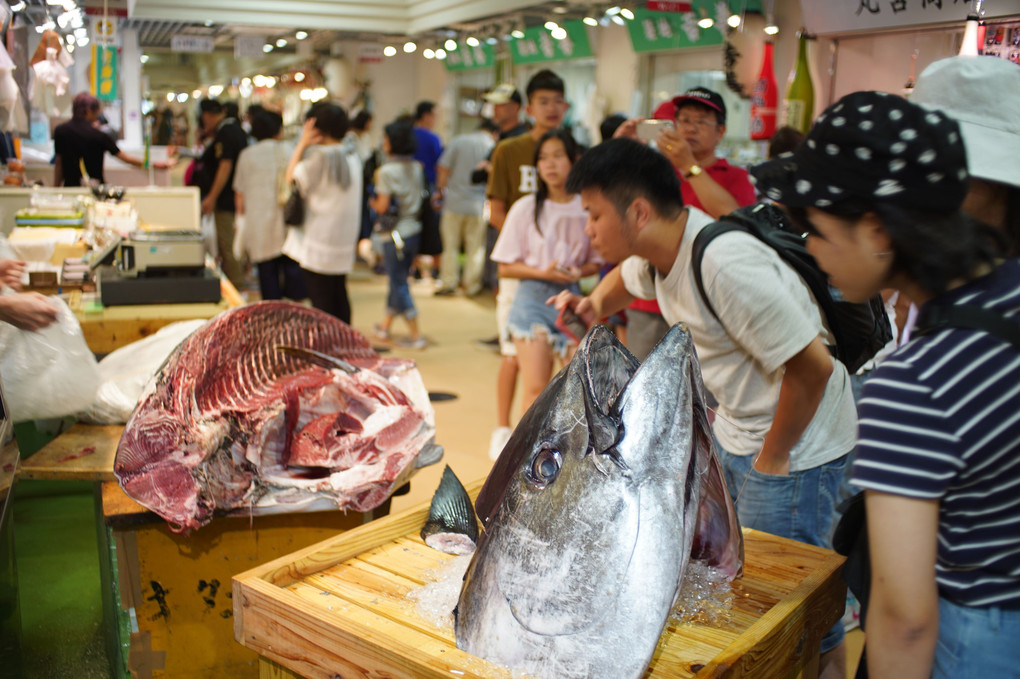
340,609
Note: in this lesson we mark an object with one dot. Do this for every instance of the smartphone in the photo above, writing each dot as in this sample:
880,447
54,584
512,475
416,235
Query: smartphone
648,130
571,325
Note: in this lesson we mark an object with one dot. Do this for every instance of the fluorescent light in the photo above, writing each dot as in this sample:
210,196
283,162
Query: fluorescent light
196,94
551,25
450,45
559,33
259,80
472,41
428,53
627,14
517,33
182,97
590,21
492,40
409,47
282,42
707,22
299,76
267,48
215,90
733,21
771,29
300,35
170,96
612,11
144,58
618,20
440,54
18,6
389,50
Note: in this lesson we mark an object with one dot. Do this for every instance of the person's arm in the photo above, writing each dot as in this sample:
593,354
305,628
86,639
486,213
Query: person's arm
804,380
138,162
608,297
442,177
239,203
903,611
309,136
58,171
219,183
27,310
551,273
11,271
497,212
714,198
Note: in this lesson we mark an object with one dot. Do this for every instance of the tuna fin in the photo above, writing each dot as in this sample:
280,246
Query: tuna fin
450,514
318,358
429,454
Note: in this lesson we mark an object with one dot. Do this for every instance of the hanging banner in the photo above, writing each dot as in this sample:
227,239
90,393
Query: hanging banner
668,6
104,72
539,45
249,46
191,43
466,57
860,16
651,31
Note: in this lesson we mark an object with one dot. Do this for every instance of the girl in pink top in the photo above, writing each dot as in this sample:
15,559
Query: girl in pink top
542,243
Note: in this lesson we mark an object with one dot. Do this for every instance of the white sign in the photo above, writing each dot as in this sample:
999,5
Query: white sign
191,43
249,46
370,53
104,31
828,17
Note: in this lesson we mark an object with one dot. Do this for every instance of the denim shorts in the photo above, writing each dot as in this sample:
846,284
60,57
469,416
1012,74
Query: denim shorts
530,315
800,506
976,642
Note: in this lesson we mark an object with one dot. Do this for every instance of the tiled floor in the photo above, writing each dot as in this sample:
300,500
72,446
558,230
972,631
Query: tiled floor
57,556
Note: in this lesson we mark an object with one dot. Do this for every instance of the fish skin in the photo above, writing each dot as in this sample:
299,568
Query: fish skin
451,526
575,577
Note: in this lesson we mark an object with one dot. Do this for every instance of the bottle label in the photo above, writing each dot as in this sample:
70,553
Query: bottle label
795,110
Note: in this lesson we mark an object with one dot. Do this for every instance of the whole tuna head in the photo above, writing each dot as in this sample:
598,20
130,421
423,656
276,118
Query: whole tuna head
592,512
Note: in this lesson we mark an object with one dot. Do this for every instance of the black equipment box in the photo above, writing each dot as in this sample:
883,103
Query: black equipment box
115,290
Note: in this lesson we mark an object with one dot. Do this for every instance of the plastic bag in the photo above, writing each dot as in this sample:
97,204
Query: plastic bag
208,227
125,372
50,372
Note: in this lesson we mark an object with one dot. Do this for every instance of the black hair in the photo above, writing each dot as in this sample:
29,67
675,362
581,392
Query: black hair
785,140
545,80
210,106
609,125
933,248
423,108
361,120
253,109
231,109
624,170
330,119
401,135
488,125
573,151
265,124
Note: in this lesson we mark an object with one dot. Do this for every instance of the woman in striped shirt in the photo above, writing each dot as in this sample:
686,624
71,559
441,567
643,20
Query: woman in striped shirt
878,185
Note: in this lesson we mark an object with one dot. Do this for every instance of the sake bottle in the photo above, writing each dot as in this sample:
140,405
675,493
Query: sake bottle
800,96
764,99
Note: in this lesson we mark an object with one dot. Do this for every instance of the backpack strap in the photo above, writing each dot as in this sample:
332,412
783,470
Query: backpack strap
968,316
701,242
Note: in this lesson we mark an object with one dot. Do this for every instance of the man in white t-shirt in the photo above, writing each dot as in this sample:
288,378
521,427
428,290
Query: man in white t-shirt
786,419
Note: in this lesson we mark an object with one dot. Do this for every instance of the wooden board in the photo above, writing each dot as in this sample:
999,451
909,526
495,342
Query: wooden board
339,608
84,452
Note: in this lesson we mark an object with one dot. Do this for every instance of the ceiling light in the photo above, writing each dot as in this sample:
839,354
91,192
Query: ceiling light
259,80
245,82
299,76
612,11
270,82
706,23
182,97
144,58
70,40
170,96
389,50
733,21
618,20
551,25
18,6
81,42
559,9
70,48
197,94
267,48
282,42
428,53
590,21
54,2
517,33
450,44
300,35
771,29
409,47
215,90
472,41
492,40
627,14
558,33
440,54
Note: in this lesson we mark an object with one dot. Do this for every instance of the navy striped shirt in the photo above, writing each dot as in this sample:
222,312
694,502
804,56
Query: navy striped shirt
940,420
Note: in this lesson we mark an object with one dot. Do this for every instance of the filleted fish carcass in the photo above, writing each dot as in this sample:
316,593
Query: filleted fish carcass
274,406
606,490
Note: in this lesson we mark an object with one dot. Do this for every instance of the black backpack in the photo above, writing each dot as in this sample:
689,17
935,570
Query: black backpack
858,329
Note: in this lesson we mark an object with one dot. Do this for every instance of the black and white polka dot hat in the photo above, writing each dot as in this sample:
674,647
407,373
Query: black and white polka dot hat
874,146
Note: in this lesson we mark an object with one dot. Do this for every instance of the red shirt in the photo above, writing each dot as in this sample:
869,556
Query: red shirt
736,182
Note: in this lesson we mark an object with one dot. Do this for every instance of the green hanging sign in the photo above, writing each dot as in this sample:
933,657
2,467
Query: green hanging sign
104,76
466,57
651,31
538,44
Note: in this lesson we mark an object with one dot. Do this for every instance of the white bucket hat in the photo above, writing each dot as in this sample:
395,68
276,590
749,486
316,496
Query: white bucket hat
983,95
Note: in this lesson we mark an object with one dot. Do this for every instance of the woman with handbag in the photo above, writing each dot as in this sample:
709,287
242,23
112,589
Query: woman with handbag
401,179
878,185
326,172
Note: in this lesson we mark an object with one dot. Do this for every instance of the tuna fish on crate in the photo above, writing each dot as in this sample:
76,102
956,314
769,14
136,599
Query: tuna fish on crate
607,488
274,407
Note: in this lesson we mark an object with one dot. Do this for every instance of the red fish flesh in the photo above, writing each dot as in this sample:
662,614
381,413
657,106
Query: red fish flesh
235,420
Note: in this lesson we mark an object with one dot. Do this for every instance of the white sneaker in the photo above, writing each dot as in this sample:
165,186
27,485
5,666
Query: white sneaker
500,435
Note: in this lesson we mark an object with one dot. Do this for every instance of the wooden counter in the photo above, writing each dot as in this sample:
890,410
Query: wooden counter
340,608
84,452
109,328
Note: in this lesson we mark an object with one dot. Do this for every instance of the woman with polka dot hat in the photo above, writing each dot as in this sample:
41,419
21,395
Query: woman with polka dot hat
878,185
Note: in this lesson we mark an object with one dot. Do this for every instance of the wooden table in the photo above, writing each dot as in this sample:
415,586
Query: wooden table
109,328
84,452
340,609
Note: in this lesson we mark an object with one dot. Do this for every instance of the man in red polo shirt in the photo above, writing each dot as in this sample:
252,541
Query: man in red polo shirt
707,182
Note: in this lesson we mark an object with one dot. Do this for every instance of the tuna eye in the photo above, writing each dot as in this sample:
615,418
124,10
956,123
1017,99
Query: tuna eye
546,466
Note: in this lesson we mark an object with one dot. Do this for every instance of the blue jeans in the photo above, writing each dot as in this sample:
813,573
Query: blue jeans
800,506
398,267
530,314
976,642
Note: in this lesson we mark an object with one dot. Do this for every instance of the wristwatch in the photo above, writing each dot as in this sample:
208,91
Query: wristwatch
693,172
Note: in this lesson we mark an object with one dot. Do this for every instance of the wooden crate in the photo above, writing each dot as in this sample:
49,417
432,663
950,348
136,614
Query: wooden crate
339,609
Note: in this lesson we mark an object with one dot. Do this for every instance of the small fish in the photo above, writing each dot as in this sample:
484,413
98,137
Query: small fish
451,526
